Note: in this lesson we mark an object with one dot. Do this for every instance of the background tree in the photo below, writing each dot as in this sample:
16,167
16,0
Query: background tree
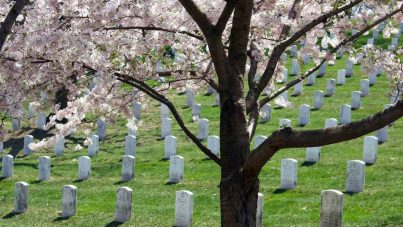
221,43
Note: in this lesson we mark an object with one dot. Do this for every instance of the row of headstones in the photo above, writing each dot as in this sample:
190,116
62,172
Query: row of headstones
331,83
345,115
84,167
355,175
330,209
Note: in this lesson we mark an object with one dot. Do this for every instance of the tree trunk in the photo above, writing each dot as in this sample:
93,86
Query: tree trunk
238,195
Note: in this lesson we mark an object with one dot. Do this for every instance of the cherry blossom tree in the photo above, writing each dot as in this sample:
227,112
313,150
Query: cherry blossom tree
59,47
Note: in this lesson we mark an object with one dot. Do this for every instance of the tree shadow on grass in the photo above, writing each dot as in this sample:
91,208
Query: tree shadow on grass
113,224
78,180
279,191
3,178
17,144
11,214
60,218
350,193
306,163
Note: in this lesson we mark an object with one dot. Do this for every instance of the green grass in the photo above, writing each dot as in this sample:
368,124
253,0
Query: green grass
153,201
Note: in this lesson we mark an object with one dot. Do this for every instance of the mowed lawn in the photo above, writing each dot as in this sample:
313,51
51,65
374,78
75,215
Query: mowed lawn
154,200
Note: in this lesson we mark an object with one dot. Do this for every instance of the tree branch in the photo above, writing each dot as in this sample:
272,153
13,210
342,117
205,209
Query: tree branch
253,95
331,51
8,23
198,16
225,16
155,95
289,138
152,28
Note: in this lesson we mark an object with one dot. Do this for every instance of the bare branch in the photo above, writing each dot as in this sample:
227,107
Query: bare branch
225,16
331,51
198,16
153,28
8,23
253,95
155,95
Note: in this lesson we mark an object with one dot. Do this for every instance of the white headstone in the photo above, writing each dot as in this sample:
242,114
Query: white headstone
331,208
311,79
382,134
28,139
31,111
375,34
213,144
312,154
59,146
203,129
101,129
341,76
289,171
354,32
372,78
307,59
69,201
259,140
94,146
166,126
364,87
265,112
21,197
165,112
130,145
44,168
370,149
7,166
285,123
217,100
176,169
339,54
284,57
394,97
123,211
196,110
349,68
318,100
183,208
16,124
84,168
295,68
41,122
1,146
391,47
330,87
304,114
210,90
127,168
137,110
259,210
330,123
370,41
169,147
322,69
345,114
395,42
356,100
294,51
131,130
283,96
190,97
285,76
355,176
298,88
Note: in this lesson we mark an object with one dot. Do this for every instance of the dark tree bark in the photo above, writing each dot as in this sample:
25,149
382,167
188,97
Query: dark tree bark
8,23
